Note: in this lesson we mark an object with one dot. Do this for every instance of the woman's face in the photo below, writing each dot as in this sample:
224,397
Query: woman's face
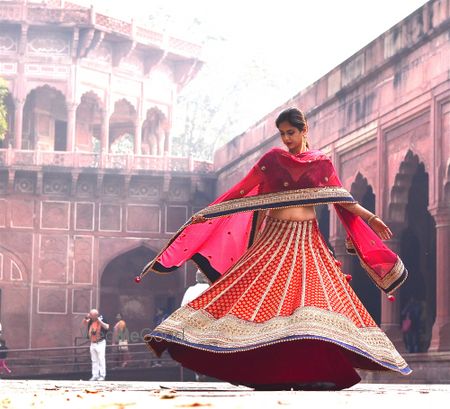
291,137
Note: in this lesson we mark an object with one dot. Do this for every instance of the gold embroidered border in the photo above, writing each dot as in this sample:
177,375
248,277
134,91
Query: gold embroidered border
314,193
391,277
261,201
200,327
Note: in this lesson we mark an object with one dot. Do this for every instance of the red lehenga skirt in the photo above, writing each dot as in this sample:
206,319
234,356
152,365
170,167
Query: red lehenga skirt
283,316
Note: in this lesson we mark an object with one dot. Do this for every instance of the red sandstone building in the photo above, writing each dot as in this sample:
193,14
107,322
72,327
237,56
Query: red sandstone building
88,190
78,220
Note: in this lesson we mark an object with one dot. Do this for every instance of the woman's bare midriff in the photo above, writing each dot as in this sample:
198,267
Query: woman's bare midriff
293,213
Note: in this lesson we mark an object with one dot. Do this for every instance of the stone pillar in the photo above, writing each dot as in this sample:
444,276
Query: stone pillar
137,136
71,127
18,123
390,310
105,132
440,339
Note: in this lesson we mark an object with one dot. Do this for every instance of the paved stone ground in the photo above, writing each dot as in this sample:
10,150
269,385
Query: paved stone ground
136,395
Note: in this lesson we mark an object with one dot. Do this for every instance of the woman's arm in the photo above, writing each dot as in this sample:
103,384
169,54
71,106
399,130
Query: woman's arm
377,225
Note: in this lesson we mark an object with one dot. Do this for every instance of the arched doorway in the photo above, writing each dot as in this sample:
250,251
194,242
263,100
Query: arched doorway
122,126
154,133
417,244
138,303
366,290
45,120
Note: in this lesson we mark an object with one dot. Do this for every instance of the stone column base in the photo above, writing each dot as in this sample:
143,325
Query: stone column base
440,340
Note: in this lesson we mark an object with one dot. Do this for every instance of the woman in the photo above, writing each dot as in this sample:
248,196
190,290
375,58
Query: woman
120,338
280,313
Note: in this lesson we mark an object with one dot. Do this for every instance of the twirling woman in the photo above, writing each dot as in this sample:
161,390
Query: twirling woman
280,313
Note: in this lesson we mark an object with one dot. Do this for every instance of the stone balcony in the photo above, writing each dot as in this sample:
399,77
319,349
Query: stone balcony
69,14
35,159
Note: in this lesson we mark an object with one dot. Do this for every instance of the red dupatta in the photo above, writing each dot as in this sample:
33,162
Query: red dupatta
279,179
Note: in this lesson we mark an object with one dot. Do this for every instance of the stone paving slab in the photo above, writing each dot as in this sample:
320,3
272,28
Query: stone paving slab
136,395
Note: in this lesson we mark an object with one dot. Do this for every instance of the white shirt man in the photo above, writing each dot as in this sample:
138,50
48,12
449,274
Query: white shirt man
195,290
96,332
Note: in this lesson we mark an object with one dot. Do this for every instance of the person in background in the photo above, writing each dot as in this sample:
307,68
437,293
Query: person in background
96,332
3,355
195,290
411,324
192,292
120,338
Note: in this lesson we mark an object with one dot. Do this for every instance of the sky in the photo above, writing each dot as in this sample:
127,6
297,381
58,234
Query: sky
292,43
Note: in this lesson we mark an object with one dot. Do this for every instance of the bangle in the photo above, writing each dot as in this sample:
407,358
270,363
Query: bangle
374,216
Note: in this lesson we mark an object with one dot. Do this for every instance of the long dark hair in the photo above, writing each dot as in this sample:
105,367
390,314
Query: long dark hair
295,117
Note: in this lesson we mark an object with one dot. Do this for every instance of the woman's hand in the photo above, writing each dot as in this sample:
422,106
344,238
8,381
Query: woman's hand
380,228
198,219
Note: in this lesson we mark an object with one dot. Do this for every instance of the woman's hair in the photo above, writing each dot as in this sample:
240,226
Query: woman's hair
295,117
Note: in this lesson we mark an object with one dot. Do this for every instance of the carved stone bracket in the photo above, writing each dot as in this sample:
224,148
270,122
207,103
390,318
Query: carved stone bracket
84,41
185,70
153,59
89,40
121,51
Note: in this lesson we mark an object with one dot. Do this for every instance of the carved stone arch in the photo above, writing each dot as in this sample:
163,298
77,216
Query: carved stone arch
45,119
122,126
12,268
402,184
125,102
124,249
56,87
89,122
155,132
136,302
415,230
359,187
91,94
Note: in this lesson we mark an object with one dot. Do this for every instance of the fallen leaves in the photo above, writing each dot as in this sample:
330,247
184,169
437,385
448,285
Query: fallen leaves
6,403
52,388
169,394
